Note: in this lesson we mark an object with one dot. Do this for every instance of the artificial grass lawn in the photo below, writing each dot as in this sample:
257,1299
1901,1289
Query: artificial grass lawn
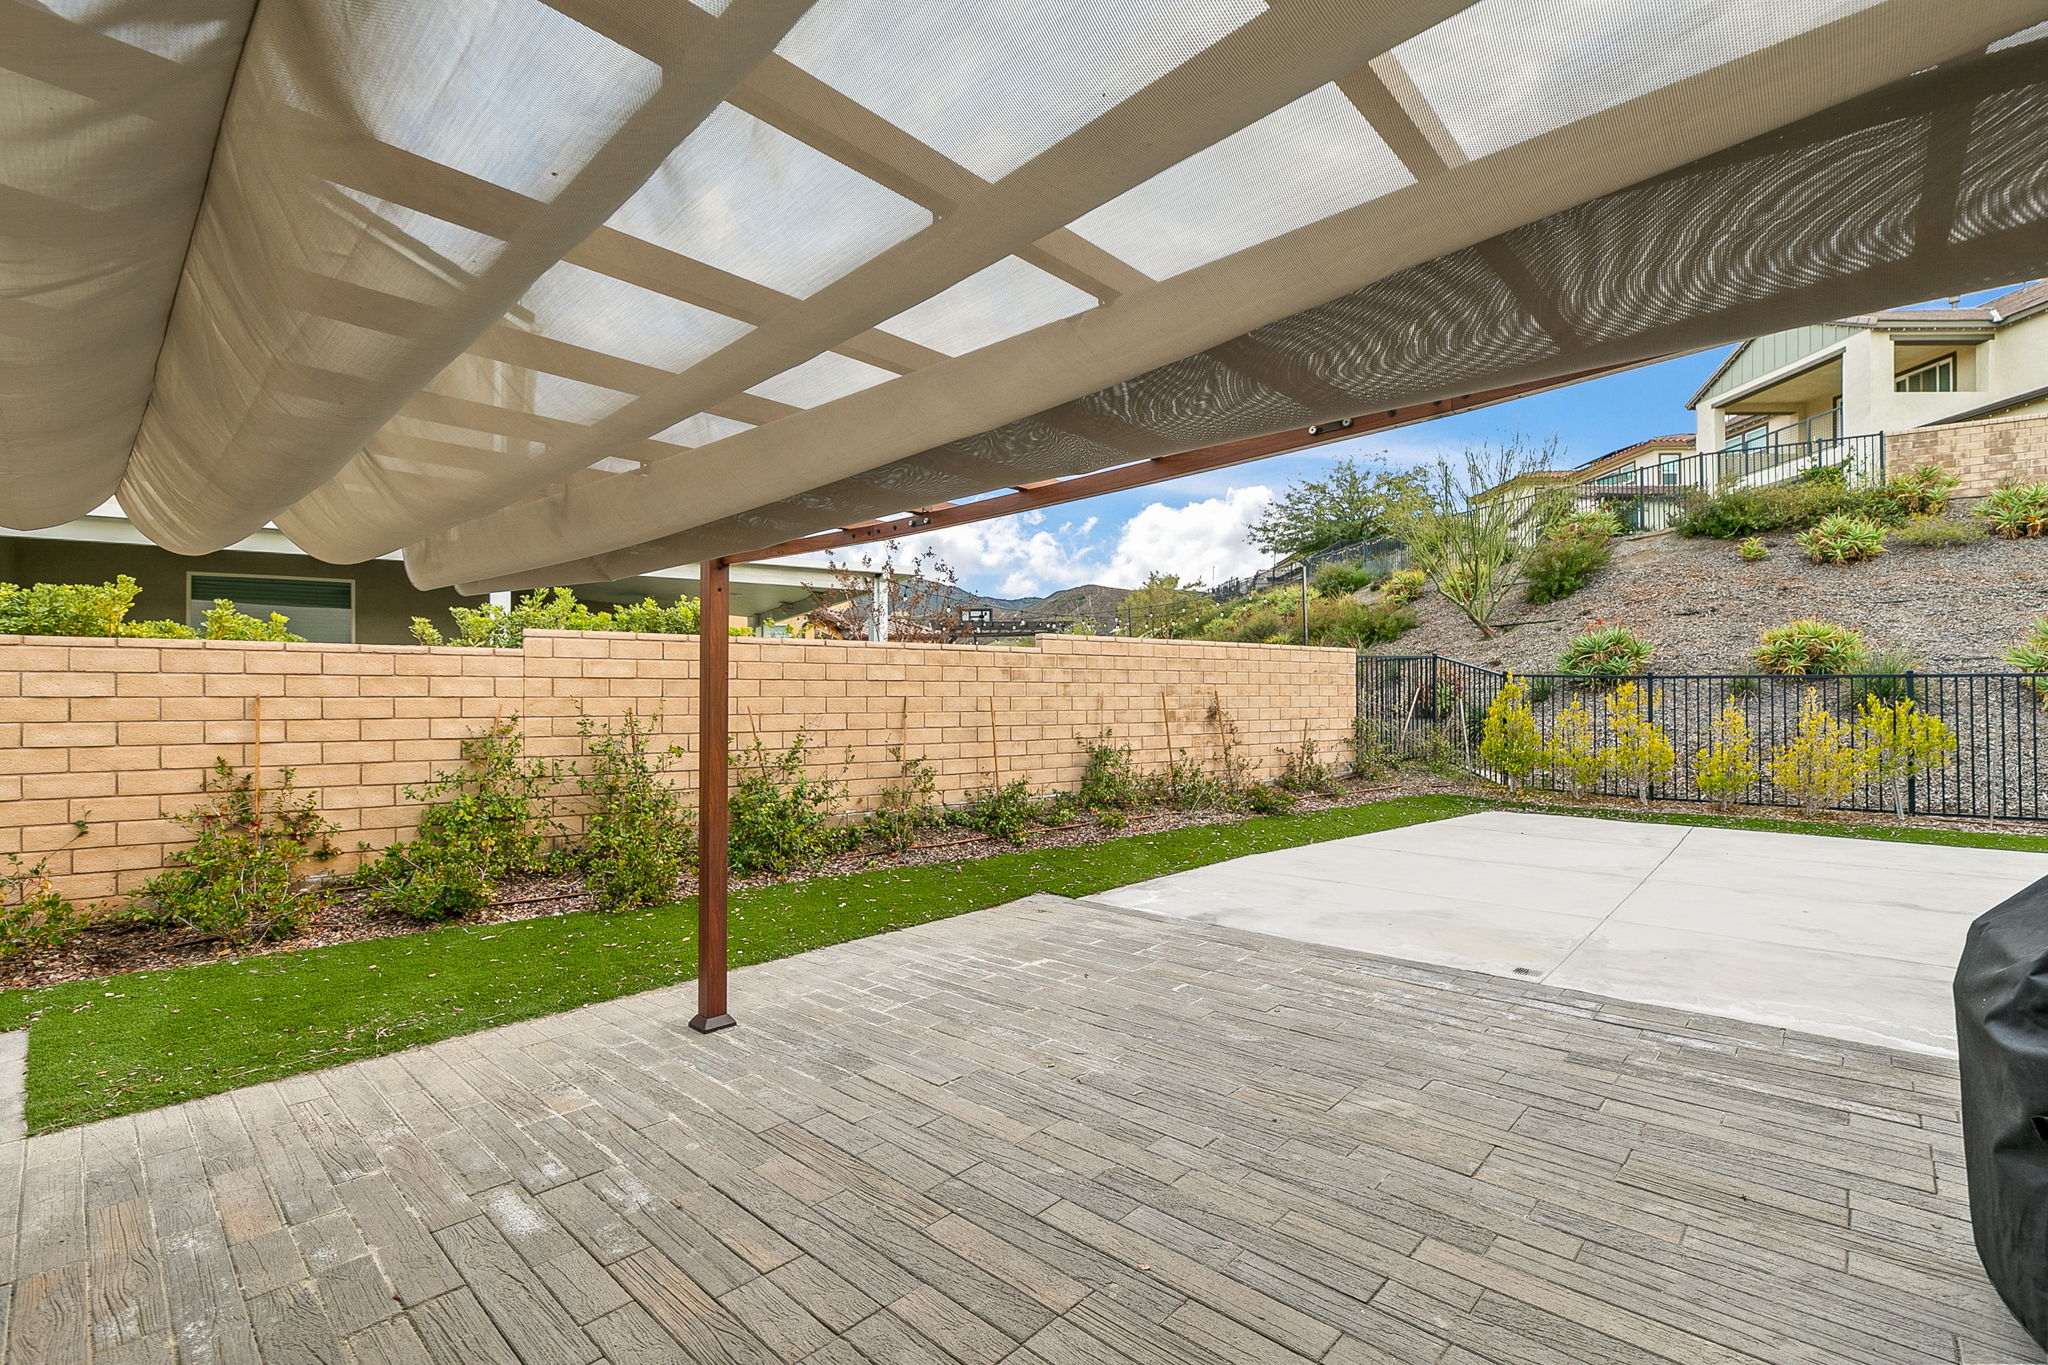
126,1043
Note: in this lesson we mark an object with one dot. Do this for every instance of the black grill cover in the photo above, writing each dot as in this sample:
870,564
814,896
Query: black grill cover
2002,1033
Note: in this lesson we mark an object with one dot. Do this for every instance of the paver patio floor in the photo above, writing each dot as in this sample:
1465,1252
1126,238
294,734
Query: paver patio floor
1854,938
1053,1133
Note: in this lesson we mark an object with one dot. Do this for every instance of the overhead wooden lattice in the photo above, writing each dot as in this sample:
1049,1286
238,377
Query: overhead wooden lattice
554,290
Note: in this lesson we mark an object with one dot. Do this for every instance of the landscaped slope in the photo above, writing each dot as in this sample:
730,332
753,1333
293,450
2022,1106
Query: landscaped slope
1955,609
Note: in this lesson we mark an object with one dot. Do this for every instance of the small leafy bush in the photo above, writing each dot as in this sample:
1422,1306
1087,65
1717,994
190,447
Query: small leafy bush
223,622
907,807
1605,652
1819,765
1882,675
1574,754
1753,550
481,822
1186,785
1805,647
2030,655
1269,798
783,819
1565,561
101,609
1638,751
1303,772
636,830
1511,743
238,882
2017,511
33,914
1725,766
1921,492
1600,523
1842,539
1404,585
1000,811
494,627
1110,786
1937,532
1372,748
1340,580
1793,504
1901,742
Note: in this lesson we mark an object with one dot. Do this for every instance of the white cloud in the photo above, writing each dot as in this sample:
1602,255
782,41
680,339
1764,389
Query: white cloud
1199,540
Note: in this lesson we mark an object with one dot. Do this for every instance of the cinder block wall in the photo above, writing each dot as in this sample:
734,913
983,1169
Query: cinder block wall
1982,454
119,733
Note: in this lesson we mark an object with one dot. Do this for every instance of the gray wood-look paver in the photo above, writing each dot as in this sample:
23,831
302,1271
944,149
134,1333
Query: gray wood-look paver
1054,1133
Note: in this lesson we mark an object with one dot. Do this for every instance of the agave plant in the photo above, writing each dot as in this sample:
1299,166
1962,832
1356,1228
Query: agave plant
1802,647
1606,651
1842,538
2018,511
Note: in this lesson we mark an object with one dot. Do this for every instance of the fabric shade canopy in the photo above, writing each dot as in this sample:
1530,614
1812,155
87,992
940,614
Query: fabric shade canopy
568,290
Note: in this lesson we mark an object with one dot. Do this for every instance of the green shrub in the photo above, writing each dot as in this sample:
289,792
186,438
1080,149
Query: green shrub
1937,532
1842,539
1725,766
907,807
101,609
2018,511
1599,523
1881,676
238,882
1274,617
33,914
1605,652
1804,647
636,830
1900,743
1110,786
1921,492
1793,504
1185,785
999,811
1266,798
223,622
481,822
2030,655
1372,749
1565,560
1638,751
783,820
1753,550
494,627
1303,771
1403,585
1510,741
1340,580
1818,766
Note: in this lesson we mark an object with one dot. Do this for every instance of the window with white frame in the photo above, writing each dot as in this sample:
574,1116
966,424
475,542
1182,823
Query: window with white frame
1936,376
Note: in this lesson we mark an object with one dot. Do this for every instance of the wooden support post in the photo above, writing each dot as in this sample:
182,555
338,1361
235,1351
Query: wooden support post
714,699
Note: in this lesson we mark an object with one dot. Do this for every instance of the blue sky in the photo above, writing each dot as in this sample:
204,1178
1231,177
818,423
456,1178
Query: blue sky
1195,527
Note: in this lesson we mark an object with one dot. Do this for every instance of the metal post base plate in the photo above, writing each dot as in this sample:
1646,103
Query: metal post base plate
712,1024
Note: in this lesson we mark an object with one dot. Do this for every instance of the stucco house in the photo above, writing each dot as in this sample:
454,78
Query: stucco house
1883,372
368,603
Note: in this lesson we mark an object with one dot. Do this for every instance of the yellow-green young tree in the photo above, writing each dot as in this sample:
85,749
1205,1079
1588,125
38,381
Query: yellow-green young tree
1510,742
1901,742
1638,750
1574,753
1820,764
1725,767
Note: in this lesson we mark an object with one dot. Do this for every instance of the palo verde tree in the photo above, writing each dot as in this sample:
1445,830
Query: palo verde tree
1638,750
1901,742
1477,526
1510,742
1354,501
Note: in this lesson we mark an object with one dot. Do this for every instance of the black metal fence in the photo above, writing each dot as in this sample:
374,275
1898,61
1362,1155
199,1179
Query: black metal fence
1427,706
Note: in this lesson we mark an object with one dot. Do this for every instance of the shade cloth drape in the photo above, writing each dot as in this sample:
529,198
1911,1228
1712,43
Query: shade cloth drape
563,290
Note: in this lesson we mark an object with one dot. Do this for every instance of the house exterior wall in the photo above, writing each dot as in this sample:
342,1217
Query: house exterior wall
385,599
1982,454
119,733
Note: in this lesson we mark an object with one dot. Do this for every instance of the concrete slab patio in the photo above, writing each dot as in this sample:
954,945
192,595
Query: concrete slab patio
1852,938
1047,1134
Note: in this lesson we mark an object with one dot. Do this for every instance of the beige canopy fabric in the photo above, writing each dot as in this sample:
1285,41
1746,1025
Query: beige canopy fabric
548,292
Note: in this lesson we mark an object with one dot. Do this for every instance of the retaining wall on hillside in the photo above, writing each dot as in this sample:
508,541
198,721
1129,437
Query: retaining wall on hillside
118,734
1982,454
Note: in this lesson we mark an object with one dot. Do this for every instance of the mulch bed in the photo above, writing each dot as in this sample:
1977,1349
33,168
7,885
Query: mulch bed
111,948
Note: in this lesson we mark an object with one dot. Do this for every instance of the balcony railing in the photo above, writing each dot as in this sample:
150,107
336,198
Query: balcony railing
1650,497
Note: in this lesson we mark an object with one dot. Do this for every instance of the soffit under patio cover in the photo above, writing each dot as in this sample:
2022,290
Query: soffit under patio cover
563,291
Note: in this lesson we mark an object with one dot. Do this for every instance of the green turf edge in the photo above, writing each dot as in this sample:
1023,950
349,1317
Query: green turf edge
122,1044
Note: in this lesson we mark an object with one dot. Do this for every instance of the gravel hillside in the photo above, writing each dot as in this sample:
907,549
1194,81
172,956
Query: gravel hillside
1954,610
